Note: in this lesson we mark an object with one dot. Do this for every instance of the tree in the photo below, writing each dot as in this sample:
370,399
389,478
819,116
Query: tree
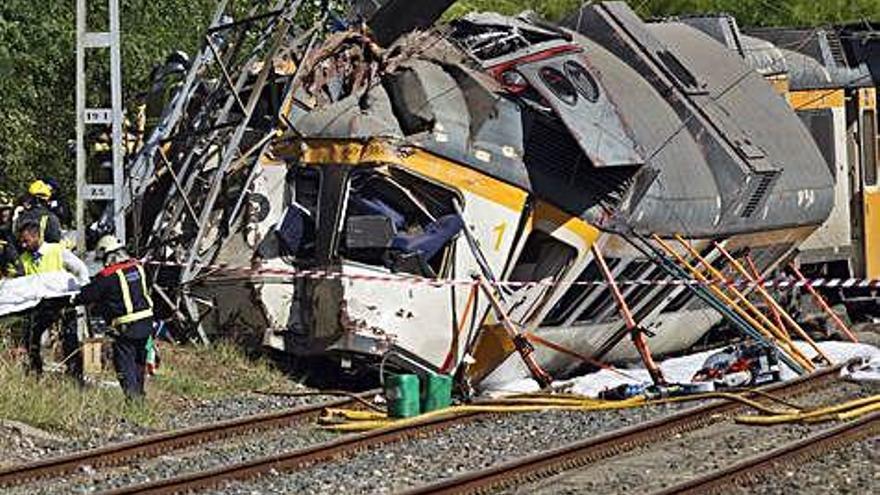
37,62
37,58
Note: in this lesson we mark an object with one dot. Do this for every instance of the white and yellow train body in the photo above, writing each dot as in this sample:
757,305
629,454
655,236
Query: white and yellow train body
599,134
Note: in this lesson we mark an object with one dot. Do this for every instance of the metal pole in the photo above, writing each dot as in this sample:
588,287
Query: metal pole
782,312
80,125
116,108
823,304
637,332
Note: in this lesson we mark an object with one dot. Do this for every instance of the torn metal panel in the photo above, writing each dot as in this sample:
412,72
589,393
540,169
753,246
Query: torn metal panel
354,116
581,102
732,115
397,17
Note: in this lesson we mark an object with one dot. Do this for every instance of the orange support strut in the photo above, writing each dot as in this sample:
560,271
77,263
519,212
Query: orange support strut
636,331
757,274
784,314
823,304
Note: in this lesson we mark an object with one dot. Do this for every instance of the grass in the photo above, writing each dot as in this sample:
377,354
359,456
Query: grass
213,372
56,404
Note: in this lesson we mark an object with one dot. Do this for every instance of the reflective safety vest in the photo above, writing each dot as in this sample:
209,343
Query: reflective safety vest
133,280
44,222
50,260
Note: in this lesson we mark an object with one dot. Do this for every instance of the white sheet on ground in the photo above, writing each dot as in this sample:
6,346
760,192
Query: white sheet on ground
680,369
866,370
19,294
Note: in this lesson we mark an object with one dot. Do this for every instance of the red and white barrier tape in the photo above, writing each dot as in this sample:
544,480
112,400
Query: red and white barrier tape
226,272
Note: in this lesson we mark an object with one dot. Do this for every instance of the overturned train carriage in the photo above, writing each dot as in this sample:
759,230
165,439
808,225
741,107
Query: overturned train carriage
508,148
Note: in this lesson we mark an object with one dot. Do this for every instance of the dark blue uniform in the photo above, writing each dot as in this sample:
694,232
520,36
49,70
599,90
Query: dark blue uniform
10,265
120,295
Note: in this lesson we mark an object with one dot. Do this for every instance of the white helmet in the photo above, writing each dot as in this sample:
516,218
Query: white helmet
106,245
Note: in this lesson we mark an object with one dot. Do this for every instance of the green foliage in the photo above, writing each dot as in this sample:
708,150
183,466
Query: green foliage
37,80
747,12
37,57
55,403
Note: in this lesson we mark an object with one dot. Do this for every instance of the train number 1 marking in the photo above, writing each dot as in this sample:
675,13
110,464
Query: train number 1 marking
500,228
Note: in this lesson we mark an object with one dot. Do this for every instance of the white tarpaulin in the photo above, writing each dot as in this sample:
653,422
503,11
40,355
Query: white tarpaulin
19,294
682,369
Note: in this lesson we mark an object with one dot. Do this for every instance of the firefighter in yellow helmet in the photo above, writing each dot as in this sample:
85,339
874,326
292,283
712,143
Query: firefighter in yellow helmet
36,209
39,258
120,294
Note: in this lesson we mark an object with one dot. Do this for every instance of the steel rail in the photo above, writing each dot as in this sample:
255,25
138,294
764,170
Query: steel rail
584,452
286,461
801,451
610,443
154,445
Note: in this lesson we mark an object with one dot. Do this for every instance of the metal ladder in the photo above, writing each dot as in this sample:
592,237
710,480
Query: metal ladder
86,40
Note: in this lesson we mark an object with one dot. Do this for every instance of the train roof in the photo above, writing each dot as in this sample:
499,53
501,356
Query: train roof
654,127
821,58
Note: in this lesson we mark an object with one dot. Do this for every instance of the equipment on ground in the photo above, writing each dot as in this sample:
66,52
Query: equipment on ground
742,365
403,395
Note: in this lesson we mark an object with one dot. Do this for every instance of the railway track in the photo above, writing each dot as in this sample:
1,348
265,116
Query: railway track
555,461
603,445
796,452
150,446
578,454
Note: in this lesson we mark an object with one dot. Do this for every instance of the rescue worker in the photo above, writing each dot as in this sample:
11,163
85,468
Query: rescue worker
36,209
37,258
10,265
121,296
57,203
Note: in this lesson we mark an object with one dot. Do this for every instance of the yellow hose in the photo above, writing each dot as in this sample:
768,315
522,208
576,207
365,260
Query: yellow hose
350,420
847,410
859,411
362,422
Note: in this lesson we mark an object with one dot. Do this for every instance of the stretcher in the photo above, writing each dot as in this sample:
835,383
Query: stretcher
22,293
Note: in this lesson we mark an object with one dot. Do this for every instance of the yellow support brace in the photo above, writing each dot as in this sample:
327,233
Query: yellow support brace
783,346
782,312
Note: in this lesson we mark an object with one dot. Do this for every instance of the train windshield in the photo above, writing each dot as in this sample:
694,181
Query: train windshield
398,221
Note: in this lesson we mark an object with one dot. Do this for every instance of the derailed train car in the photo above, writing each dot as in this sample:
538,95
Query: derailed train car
510,149
828,76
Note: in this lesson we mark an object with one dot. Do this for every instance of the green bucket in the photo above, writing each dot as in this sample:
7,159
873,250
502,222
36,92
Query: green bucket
402,395
437,393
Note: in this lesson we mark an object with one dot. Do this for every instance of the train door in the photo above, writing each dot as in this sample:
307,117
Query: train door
870,187
551,250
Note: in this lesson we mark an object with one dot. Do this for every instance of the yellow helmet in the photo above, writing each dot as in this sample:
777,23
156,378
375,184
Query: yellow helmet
40,189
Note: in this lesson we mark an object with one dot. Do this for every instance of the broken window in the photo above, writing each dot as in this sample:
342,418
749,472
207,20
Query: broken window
605,305
575,295
559,84
398,221
582,80
295,231
542,257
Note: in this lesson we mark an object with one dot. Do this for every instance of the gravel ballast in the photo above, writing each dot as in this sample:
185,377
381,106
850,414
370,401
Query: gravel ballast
852,469
486,442
688,455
